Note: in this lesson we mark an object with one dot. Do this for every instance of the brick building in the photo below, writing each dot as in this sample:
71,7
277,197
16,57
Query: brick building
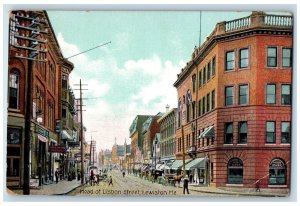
234,104
150,128
46,98
117,155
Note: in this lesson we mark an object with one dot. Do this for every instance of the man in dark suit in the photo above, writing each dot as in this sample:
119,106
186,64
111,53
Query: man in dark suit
186,184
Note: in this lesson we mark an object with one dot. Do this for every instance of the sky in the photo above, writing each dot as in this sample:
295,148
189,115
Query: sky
134,74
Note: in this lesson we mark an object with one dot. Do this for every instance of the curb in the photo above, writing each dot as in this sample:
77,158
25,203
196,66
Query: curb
239,194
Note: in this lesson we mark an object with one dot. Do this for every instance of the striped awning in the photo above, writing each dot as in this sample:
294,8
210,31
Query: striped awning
208,132
196,163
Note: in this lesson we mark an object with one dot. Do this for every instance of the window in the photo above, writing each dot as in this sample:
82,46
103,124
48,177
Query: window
194,82
204,75
271,94
207,102
243,94
285,132
64,82
200,78
64,113
286,94
228,95
244,58
235,171
208,70
213,67
179,112
286,57
229,61
213,99
13,151
270,132
242,133
203,105
277,172
228,133
14,90
272,57
193,109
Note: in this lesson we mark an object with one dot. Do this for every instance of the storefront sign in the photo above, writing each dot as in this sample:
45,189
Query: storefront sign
41,131
57,149
34,183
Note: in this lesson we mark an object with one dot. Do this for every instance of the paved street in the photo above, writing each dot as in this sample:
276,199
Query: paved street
135,186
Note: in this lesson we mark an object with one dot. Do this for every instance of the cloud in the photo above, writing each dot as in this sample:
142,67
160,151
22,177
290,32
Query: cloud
153,89
150,66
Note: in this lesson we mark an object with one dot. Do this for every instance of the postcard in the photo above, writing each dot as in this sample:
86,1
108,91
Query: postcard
149,103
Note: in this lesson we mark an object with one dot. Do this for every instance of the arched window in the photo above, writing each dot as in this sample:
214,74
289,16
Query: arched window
277,172
194,82
188,105
179,112
235,171
14,89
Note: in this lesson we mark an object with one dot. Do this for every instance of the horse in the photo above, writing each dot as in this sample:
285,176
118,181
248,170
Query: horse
175,178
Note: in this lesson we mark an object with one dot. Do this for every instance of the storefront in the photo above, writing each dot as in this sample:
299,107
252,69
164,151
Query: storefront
13,160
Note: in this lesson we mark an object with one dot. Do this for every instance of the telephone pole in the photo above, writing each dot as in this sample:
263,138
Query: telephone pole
25,27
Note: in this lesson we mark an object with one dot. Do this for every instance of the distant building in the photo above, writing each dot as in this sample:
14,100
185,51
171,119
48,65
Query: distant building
150,128
168,135
136,137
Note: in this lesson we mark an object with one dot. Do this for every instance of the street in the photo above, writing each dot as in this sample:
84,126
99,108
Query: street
134,186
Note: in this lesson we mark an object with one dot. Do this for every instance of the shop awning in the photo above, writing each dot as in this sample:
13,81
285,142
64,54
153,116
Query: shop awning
208,132
42,138
146,168
164,167
158,166
65,135
177,164
196,163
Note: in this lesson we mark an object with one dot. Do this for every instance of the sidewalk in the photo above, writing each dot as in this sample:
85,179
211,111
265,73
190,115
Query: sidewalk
61,188
241,191
238,191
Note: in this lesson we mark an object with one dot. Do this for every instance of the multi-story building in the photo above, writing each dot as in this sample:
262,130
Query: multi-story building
46,84
135,134
150,128
168,135
234,104
155,152
126,157
117,154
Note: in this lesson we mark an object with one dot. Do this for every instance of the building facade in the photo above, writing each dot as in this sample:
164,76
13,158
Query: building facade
46,92
150,128
168,135
136,136
234,103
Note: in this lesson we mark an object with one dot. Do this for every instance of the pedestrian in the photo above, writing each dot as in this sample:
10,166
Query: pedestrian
92,177
110,181
123,173
186,185
56,176
257,185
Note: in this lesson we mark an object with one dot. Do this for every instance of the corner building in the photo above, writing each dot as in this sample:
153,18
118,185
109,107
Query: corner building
234,103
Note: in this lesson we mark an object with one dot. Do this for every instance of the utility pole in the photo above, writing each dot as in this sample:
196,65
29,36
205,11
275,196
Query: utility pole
28,24
81,128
